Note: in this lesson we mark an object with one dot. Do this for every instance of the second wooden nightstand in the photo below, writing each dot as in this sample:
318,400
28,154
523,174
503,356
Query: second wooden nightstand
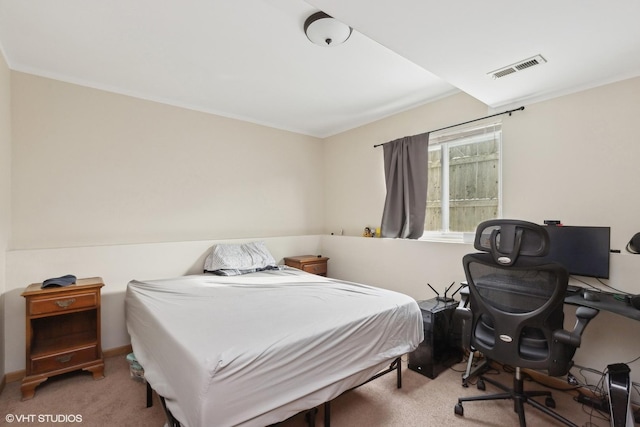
314,264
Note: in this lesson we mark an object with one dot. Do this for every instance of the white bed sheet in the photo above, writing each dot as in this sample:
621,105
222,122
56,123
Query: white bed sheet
256,349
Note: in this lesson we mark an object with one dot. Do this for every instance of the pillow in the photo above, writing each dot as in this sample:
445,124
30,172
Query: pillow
233,259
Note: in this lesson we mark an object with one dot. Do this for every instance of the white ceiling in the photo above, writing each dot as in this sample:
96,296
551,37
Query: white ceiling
251,60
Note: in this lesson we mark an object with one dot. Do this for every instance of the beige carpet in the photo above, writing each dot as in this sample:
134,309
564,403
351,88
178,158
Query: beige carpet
118,400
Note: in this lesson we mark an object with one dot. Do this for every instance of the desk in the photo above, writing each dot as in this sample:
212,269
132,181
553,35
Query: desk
607,302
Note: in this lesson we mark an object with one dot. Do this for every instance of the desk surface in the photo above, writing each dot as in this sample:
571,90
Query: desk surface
613,303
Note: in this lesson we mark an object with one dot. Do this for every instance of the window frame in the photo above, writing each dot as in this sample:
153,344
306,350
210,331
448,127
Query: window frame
444,142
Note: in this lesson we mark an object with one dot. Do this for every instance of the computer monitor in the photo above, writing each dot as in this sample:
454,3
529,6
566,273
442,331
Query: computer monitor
583,251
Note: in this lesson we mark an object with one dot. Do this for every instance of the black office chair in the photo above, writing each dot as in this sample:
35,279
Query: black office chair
515,314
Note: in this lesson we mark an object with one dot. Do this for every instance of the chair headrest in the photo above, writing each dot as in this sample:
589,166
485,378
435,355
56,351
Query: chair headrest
508,239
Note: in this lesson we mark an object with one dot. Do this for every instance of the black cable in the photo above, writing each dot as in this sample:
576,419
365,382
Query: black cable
602,283
611,287
584,283
593,413
598,391
634,360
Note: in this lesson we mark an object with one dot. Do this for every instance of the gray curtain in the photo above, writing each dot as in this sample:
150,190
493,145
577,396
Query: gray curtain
405,170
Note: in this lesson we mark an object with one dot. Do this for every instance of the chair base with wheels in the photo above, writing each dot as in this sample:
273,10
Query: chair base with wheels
518,395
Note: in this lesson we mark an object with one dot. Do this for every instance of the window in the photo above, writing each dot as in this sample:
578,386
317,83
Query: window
464,185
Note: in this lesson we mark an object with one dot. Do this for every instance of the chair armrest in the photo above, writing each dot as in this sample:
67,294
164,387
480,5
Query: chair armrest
574,338
587,313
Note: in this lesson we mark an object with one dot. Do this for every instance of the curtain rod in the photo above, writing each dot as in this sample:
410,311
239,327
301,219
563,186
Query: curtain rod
464,123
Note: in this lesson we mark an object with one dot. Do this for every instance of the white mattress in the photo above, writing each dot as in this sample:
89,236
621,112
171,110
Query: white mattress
259,348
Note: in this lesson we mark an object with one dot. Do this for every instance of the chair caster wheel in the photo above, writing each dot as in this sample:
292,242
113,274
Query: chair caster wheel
550,402
459,410
481,385
465,384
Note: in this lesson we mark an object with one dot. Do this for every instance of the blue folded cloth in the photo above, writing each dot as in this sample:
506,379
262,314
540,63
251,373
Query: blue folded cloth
67,280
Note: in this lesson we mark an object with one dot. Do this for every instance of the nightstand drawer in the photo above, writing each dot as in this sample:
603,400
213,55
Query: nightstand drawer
62,360
62,303
320,268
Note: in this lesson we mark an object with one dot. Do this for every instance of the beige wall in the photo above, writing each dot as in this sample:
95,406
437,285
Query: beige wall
95,168
5,192
92,168
573,158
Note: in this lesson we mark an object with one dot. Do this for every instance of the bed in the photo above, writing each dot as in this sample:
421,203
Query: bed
254,349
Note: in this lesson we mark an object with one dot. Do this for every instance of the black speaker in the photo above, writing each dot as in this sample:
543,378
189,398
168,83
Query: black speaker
441,347
619,391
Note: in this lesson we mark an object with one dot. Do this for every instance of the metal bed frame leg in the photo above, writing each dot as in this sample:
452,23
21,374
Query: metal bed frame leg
149,396
310,416
398,364
327,414
171,420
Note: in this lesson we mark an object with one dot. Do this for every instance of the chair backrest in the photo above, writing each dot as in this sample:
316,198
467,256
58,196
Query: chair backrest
516,299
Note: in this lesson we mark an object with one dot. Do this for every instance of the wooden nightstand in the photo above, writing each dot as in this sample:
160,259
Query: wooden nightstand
309,263
63,332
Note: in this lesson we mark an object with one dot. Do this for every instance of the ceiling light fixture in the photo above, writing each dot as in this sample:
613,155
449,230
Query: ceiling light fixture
325,30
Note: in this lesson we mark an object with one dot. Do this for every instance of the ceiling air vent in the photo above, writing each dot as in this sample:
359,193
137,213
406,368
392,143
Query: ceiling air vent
518,66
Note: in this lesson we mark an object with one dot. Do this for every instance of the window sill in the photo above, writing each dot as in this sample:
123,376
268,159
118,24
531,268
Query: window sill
465,238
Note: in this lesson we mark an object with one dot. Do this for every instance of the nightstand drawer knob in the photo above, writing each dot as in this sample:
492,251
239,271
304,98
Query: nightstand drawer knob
66,358
65,303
